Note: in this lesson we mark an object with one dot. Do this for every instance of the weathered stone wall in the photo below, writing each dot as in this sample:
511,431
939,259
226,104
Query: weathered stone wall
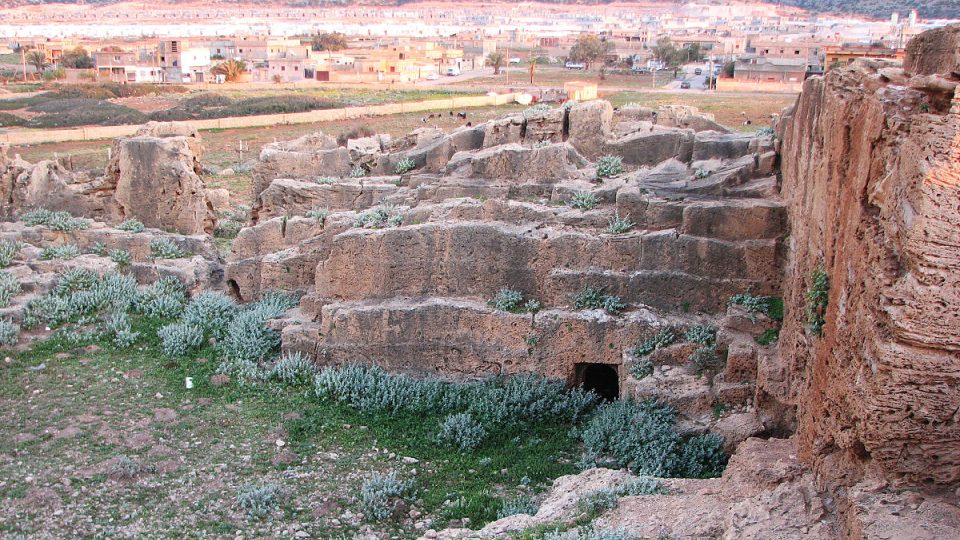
871,177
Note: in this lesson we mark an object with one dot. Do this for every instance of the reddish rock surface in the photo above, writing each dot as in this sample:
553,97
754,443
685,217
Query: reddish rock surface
871,176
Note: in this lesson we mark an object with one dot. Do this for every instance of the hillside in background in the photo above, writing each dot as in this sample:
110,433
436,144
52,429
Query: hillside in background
881,9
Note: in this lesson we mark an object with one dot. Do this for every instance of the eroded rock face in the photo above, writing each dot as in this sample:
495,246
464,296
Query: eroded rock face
157,181
935,52
872,183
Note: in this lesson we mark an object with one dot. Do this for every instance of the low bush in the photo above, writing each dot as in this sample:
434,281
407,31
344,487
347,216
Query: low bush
9,288
584,200
180,339
66,251
117,328
767,305
211,312
9,333
75,280
661,339
164,248
57,221
704,335
461,431
380,492
124,467
507,300
608,166
599,501
121,257
492,401
597,298
705,359
385,215
641,437
80,298
588,533
537,110
768,337
358,172
319,214
131,225
162,299
619,225
248,342
517,505
294,368
405,165
642,368
11,120
259,500
9,251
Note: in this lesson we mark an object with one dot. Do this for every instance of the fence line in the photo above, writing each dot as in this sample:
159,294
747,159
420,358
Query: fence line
15,138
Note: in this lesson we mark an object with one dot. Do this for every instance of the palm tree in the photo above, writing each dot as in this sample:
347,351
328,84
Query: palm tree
231,70
496,60
38,60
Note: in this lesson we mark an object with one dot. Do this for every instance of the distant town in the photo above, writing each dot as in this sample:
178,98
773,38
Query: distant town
735,47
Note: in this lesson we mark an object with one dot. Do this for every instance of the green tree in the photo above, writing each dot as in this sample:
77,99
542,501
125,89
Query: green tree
231,70
77,58
664,51
329,41
589,49
495,60
38,60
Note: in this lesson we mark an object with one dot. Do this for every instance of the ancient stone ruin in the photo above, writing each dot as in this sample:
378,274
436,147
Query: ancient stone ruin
622,250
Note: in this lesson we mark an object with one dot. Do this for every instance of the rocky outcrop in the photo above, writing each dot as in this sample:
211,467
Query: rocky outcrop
50,185
871,176
156,179
936,52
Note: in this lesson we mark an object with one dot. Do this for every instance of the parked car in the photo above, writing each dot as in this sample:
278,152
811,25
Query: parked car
453,72
432,77
698,71
685,85
574,65
640,70
515,60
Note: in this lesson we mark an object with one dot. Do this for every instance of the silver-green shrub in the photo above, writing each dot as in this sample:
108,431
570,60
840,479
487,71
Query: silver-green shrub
131,225
405,165
507,300
259,500
248,342
358,172
117,328
587,533
66,251
9,333
75,280
9,287
597,298
212,312
163,299
294,368
461,431
641,436
164,248
8,251
517,505
121,257
704,335
385,215
608,166
57,221
493,401
319,214
180,339
661,339
584,200
619,225
378,491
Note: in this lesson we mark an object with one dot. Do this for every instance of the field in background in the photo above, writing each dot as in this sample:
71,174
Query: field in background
730,109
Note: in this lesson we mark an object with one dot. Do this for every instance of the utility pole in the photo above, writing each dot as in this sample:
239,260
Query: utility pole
23,59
